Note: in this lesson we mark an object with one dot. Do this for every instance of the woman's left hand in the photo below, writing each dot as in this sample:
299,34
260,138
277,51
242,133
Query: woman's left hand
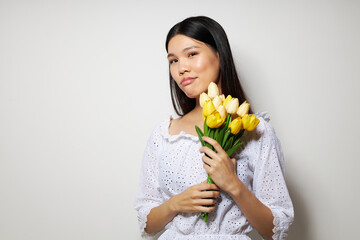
219,166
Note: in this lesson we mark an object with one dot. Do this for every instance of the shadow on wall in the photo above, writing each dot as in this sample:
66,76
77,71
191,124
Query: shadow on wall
300,229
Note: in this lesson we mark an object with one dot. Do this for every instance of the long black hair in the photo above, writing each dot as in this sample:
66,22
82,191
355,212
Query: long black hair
210,32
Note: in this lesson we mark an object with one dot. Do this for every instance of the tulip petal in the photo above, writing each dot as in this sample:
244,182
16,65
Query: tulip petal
208,108
213,90
227,100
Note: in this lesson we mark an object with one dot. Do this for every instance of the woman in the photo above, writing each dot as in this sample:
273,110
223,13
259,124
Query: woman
249,190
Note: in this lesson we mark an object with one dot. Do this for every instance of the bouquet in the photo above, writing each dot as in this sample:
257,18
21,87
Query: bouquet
224,121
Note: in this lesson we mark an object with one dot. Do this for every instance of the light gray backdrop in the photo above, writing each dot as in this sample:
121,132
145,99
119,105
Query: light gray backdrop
83,83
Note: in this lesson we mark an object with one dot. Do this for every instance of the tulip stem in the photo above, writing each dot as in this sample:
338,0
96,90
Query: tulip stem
205,215
209,179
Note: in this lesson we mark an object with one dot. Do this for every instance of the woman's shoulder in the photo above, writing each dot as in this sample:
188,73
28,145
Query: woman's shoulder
264,138
264,125
161,127
161,130
263,115
263,131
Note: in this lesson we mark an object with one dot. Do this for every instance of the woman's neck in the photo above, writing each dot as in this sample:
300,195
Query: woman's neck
195,115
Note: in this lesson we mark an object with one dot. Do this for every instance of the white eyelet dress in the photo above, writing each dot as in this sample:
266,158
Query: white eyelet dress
172,163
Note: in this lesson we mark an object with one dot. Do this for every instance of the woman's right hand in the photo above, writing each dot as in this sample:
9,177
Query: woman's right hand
197,198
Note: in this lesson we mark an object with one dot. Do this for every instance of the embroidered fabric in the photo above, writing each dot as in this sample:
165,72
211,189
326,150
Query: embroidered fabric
172,163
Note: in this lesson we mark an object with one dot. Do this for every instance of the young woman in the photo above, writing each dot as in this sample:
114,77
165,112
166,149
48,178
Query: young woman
249,190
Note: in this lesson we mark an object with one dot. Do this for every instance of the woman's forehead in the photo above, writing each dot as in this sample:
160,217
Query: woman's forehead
182,43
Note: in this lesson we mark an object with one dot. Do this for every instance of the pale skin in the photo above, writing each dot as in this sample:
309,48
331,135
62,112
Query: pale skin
203,67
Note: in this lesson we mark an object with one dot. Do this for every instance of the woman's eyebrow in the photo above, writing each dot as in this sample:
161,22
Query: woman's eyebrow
184,50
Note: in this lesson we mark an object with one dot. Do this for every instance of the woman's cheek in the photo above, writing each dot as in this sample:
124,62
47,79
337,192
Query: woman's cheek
200,65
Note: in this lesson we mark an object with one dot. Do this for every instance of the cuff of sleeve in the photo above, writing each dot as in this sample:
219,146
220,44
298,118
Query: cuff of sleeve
142,219
282,222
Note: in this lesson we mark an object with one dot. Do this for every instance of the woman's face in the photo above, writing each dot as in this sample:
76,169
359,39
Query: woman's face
193,65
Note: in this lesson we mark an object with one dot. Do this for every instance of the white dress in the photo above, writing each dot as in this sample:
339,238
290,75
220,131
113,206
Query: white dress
172,163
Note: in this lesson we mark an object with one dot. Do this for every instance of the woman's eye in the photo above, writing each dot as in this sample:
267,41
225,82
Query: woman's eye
172,61
192,54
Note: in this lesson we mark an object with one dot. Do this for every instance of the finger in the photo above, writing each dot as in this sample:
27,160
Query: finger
208,161
205,202
204,186
207,168
210,194
215,144
208,152
206,209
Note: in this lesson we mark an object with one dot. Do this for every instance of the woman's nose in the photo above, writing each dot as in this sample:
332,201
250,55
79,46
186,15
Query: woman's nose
183,66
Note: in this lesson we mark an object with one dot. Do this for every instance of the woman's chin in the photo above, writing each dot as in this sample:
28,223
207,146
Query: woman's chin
192,95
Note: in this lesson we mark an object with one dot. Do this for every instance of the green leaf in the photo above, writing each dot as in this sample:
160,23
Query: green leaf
228,144
227,133
228,120
240,133
211,133
237,141
206,128
200,134
222,131
234,148
231,140
216,135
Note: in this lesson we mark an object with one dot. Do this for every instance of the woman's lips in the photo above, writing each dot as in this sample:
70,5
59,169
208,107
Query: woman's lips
187,81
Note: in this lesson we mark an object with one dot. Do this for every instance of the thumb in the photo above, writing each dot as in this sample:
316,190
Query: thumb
233,160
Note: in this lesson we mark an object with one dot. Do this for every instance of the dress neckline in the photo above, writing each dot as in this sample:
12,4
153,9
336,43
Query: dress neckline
175,137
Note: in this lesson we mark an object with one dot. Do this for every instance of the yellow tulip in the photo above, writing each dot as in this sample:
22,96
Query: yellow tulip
236,125
221,109
214,120
213,90
227,100
232,106
208,108
250,122
243,109
217,101
203,97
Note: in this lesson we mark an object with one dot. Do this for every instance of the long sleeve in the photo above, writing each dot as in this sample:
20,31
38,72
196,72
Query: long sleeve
269,183
149,195
172,163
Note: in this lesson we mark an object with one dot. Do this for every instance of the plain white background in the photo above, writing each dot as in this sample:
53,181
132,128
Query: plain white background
83,83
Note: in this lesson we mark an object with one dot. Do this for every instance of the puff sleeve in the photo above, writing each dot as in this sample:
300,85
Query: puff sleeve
269,182
149,195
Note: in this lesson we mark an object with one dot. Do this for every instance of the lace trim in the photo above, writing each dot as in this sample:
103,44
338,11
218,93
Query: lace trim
281,226
173,138
276,230
264,115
